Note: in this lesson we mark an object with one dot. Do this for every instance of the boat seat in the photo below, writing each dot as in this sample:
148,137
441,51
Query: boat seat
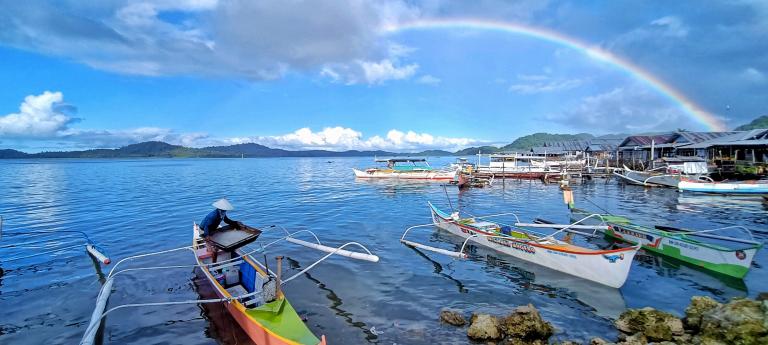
236,290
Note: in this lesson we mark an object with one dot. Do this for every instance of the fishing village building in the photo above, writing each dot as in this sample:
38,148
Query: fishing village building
731,151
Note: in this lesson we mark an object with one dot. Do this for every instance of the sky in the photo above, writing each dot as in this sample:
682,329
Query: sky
359,74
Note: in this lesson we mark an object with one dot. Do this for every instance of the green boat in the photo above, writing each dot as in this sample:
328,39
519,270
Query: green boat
725,255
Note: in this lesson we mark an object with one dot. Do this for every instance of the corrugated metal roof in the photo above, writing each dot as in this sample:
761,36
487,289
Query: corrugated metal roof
645,140
697,137
746,138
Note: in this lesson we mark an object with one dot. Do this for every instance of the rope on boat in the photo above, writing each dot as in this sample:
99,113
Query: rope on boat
552,235
336,251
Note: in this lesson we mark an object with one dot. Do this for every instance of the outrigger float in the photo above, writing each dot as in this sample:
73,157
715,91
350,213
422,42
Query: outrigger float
607,267
26,245
252,292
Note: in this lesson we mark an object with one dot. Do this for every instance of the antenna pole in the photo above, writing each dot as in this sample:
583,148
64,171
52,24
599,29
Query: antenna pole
447,197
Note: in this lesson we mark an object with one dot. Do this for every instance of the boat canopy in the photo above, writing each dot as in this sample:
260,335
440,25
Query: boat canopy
401,160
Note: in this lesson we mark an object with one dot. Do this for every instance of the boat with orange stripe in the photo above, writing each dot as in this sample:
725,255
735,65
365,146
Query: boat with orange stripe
250,290
608,267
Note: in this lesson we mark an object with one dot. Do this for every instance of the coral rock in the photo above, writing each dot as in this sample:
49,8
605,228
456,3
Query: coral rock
654,324
525,322
484,327
452,317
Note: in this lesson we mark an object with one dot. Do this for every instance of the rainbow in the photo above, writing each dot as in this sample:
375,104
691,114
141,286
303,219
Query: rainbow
710,121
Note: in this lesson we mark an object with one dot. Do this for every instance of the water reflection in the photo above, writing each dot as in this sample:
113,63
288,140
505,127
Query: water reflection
336,304
605,301
439,270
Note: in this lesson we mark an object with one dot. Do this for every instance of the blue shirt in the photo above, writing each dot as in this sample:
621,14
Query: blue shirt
212,220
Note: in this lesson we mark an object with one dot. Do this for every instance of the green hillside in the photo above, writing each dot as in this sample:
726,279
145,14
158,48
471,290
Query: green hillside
538,139
760,122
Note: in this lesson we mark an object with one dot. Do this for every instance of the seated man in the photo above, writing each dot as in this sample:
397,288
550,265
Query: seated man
211,222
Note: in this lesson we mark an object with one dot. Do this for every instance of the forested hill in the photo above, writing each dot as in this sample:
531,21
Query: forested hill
760,122
539,139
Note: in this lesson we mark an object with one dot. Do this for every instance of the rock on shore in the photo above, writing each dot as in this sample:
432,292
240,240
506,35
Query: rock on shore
741,321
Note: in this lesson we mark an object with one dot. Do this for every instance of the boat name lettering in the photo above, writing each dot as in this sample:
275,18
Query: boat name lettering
636,234
682,245
513,244
561,253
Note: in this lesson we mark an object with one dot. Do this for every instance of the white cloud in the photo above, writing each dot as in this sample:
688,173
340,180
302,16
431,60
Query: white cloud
624,109
671,26
342,138
753,75
369,72
662,32
378,72
543,83
428,80
38,116
252,39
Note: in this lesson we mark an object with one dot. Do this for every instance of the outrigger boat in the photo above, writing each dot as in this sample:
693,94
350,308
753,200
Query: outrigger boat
252,292
743,187
407,169
675,170
607,267
730,256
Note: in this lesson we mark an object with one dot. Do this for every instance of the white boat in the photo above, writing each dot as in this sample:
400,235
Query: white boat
516,166
407,169
607,267
669,175
743,187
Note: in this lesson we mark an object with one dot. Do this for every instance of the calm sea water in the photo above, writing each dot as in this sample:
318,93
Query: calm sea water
133,206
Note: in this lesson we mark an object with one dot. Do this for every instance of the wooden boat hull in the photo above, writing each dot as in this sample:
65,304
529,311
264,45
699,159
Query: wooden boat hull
273,323
432,175
723,188
609,267
722,260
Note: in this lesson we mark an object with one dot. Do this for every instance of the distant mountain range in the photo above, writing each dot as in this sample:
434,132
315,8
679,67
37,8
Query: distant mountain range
165,150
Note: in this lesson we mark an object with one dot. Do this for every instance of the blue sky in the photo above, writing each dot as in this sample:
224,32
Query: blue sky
328,74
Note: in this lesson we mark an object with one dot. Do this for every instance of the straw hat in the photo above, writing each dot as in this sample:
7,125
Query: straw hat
223,204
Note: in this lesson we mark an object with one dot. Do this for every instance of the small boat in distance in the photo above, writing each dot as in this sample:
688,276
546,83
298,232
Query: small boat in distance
741,187
607,267
407,169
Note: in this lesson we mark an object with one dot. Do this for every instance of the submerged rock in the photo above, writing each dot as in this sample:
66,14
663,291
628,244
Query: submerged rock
654,324
739,322
637,339
484,327
699,305
452,317
525,322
